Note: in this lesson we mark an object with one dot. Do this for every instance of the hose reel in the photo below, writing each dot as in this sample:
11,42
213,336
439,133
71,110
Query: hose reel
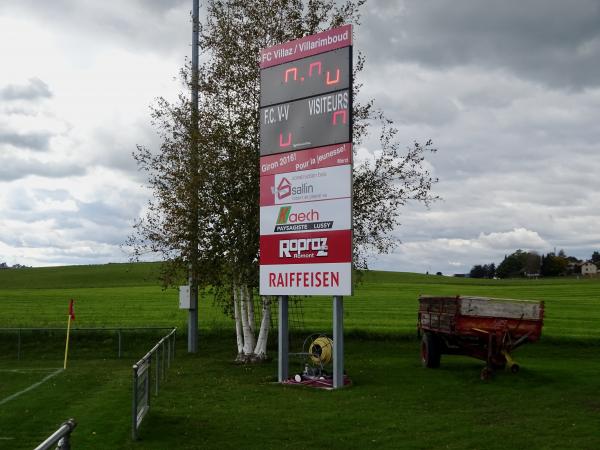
321,350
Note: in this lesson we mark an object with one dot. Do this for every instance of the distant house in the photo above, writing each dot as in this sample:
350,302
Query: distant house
589,268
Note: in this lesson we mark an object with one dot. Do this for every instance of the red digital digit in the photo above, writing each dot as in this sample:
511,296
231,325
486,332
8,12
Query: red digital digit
315,64
287,143
341,112
293,70
337,78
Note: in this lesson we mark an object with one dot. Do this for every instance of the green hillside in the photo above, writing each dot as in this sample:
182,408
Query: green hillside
384,302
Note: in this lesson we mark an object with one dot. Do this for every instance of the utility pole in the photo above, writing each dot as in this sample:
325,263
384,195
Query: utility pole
194,206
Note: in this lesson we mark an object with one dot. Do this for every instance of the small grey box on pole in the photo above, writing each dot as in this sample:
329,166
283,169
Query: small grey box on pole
283,361
338,342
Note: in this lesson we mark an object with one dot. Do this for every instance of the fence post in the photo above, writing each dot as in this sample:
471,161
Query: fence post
169,352
164,374
156,371
134,405
119,332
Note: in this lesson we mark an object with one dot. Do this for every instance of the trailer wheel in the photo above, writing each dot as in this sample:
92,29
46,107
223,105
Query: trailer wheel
430,351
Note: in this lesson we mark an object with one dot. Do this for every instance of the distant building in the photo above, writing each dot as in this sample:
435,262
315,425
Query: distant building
589,268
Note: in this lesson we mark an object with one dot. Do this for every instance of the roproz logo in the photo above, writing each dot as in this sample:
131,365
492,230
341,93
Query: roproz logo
284,189
303,248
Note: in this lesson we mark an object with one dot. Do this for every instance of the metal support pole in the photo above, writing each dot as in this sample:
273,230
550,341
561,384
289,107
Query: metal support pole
194,205
284,344
338,342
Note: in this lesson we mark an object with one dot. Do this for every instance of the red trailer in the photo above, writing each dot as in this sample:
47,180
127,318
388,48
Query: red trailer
489,329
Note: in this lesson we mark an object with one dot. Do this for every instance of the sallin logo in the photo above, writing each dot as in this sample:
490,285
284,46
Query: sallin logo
284,189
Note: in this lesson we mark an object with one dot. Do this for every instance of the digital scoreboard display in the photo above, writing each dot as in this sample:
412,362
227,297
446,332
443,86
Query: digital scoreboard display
311,122
319,74
305,119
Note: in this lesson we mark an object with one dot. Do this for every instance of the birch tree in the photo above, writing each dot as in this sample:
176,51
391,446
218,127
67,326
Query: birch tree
231,36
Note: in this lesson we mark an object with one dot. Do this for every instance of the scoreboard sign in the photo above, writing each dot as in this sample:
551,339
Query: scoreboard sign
307,123
327,72
306,166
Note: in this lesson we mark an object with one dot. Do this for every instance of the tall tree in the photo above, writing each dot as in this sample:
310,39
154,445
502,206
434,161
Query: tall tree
231,37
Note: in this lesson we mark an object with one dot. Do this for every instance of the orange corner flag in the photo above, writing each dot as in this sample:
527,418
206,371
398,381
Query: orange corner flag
71,311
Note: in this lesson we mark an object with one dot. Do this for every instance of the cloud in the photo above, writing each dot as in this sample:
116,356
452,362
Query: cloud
34,141
448,255
35,89
139,25
553,42
14,167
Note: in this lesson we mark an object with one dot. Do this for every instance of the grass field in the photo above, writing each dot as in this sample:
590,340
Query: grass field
208,402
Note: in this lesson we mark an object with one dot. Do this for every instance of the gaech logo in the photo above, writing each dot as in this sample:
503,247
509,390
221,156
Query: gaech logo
287,216
284,214
289,220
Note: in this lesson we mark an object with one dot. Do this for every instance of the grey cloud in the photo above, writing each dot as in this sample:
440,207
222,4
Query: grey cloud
13,168
33,90
38,141
138,24
552,41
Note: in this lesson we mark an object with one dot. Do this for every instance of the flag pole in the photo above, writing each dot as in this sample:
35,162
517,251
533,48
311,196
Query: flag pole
67,343
71,316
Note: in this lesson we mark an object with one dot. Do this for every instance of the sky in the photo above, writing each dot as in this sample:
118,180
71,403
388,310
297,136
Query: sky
508,91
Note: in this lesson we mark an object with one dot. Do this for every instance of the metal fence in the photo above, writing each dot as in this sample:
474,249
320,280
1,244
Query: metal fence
61,437
157,360
118,333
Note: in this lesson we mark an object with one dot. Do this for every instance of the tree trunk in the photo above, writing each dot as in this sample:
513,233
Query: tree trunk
260,351
250,298
238,325
248,335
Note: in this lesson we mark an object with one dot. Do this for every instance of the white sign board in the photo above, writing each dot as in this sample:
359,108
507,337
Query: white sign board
306,186
306,279
327,215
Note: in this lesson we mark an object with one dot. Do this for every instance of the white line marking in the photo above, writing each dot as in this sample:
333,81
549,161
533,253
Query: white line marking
33,386
25,370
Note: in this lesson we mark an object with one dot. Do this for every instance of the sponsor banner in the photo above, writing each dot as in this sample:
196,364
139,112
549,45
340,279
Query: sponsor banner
306,46
328,215
313,279
308,185
306,248
326,72
329,156
306,123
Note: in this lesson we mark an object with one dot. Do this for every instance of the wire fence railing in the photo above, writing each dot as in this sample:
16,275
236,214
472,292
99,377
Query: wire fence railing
61,437
149,372
17,340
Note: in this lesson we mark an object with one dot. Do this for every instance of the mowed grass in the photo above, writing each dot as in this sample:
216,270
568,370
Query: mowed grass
209,402
118,295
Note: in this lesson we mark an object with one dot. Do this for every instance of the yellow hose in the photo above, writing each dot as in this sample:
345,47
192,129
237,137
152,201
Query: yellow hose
321,350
